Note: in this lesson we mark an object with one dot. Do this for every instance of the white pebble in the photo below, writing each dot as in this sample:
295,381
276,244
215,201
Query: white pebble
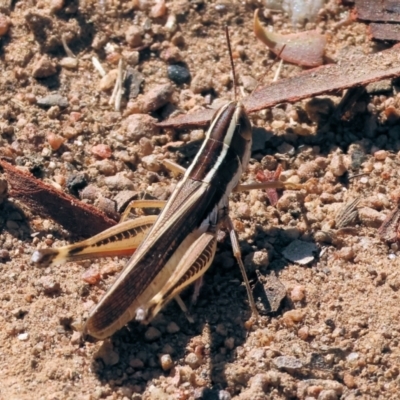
23,336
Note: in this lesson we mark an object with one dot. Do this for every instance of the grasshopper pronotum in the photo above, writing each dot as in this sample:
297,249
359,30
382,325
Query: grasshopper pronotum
177,247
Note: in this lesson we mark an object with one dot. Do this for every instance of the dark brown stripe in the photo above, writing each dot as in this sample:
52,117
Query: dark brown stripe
206,159
222,123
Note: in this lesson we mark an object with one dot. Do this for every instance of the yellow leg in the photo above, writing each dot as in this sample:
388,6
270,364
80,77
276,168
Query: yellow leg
141,204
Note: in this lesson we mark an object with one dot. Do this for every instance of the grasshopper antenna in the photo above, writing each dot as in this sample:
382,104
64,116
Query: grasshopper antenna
228,41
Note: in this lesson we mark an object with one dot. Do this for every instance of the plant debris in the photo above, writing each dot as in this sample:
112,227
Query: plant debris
390,228
81,219
385,16
347,213
302,48
270,176
358,71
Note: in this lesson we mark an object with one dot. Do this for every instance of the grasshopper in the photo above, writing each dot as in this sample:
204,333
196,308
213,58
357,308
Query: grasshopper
176,248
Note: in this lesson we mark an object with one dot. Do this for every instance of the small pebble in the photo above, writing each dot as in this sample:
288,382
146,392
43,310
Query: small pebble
102,151
381,155
107,353
69,63
110,269
49,285
298,293
91,276
308,170
53,100
134,79
107,82
224,395
349,380
4,254
159,9
131,57
151,163
76,181
261,258
300,252
146,146
136,363
243,211
134,36
287,363
119,182
287,202
107,206
154,99
172,327
53,112
23,336
4,24
192,360
303,333
286,148
56,5
140,125
292,317
106,167
202,82
249,83
90,192
328,395
370,217
55,141
178,74
229,343
346,253
197,134
166,362
171,55
152,334
278,125
44,68
76,338
337,165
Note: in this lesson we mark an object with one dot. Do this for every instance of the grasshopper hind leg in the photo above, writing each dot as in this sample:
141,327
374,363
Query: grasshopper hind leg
120,240
192,266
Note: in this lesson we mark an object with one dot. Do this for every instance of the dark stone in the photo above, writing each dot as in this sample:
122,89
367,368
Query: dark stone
178,73
76,182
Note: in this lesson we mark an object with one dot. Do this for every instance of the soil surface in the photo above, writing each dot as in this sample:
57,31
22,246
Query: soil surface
336,333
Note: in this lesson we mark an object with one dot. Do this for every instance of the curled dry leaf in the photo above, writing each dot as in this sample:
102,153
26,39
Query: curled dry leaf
303,48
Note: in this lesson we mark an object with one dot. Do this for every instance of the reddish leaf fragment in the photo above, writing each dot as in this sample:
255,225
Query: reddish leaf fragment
303,48
377,10
385,31
270,176
192,120
80,218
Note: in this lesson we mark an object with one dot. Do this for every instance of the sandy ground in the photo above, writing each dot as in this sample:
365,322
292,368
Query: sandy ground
336,333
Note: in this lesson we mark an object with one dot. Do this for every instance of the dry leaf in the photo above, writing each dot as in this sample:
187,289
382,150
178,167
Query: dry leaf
303,48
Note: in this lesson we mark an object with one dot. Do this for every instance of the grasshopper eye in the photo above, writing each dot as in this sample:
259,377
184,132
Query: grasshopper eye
245,127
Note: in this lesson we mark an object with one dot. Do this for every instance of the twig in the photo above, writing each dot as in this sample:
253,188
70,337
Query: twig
67,50
98,67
